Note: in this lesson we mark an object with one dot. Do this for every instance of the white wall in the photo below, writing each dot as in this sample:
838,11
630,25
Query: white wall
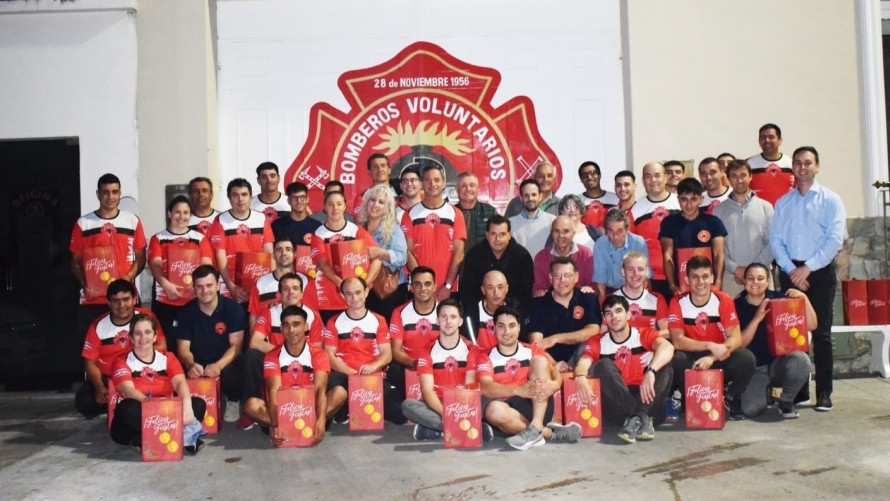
278,58
69,74
704,79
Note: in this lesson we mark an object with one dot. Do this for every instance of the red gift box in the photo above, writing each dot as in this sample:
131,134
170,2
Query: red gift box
412,385
786,326
462,419
878,293
350,259
181,262
99,269
207,388
366,402
114,398
855,302
704,399
296,416
249,267
589,416
162,429
303,260
683,257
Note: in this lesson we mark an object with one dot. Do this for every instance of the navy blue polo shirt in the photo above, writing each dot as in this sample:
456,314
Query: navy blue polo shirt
746,312
549,317
298,232
209,334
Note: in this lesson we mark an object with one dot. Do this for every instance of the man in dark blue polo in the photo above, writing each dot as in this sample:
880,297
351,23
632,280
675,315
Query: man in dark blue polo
209,332
564,317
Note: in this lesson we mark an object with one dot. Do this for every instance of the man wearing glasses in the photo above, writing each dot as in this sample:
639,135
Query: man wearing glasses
297,227
564,317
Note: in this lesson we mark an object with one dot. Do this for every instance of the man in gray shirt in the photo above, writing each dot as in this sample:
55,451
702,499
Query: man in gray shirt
747,219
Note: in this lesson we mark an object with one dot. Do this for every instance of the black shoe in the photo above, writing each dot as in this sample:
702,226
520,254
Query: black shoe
734,410
788,410
193,449
136,443
824,402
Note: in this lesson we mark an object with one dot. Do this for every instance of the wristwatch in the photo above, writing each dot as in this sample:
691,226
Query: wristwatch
650,369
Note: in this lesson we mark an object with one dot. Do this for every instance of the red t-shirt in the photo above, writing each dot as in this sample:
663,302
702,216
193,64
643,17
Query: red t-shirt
647,217
417,332
327,294
165,244
508,369
357,341
703,323
296,370
106,341
631,356
153,379
235,235
433,232
268,323
646,310
448,367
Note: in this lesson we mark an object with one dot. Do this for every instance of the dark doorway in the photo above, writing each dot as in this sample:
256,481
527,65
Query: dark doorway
40,200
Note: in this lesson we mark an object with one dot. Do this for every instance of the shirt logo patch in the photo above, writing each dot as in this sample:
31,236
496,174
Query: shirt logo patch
432,219
220,328
704,236
121,338
660,213
243,231
512,366
773,170
357,334
635,311
109,230
450,364
578,312
701,320
149,374
424,326
295,369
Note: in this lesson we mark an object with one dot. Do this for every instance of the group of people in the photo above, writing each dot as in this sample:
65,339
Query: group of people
594,285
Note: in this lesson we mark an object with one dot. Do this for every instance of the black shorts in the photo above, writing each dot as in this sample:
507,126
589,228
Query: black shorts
523,406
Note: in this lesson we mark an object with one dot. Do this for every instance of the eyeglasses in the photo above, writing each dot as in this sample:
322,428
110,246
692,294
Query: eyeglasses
562,276
410,180
298,198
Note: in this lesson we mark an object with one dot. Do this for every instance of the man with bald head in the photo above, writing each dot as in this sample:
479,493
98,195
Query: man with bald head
562,231
545,175
481,314
647,215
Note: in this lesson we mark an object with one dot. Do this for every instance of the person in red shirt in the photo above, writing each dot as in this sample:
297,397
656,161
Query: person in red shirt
633,366
705,332
435,232
357,342
105,341
414,327
172,256
146,373
295,363
106,244
449,362
772,175
518,381
238,230
201,198
268,334
647,309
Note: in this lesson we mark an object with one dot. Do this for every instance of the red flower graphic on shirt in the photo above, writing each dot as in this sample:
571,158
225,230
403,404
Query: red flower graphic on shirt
704,236
450,364
295,369
578,312
701,320
622,355
432,219
220,328
512,366
109,230
357,334
180,241
424,326
489,324
773,170
148,374
660,213
595,206
336,238
203,227
243,231
635,311
270,213
121,339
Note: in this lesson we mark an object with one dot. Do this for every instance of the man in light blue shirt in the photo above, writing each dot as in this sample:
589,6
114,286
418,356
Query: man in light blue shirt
609,250
806,234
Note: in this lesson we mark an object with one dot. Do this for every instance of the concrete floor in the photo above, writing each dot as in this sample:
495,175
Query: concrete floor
48,452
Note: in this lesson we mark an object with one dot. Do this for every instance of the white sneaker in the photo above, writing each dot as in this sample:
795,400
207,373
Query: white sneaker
233,411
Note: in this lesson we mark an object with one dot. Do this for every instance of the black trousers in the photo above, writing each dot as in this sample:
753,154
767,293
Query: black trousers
85,400
823,286
166,314
737,369
621,401
127,422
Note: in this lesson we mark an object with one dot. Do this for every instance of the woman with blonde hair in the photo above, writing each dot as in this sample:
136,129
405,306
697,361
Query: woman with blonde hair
378,215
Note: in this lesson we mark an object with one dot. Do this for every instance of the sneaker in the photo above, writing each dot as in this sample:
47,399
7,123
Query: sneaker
734,410
136,443
526,439
824,402
487,432
630,429
342,415
424,433
564,433
233,412
647,430
788,410
193,449
245,422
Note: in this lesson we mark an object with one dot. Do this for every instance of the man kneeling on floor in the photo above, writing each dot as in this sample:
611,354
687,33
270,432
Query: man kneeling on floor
634,369
448,363
518,381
